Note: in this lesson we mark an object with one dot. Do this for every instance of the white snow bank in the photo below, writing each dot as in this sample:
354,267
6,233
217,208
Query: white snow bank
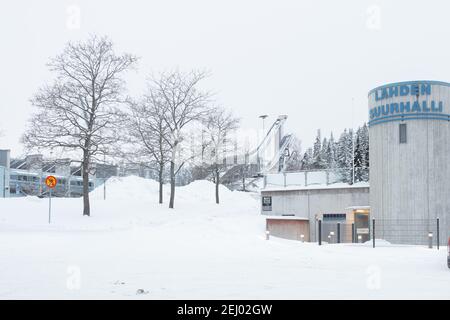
378,243
129,201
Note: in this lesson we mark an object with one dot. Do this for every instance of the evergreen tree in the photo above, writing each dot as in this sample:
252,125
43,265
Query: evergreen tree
317,160
345,155
306,162
362,154
359,156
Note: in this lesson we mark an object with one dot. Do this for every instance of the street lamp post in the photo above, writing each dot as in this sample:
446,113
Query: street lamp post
263,117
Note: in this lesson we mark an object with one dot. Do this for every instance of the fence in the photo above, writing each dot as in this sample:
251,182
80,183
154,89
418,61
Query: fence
317,177
429,232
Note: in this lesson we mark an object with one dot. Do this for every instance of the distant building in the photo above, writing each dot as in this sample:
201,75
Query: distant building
22,177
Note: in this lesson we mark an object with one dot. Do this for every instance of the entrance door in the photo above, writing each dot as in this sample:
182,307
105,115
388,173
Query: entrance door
362,226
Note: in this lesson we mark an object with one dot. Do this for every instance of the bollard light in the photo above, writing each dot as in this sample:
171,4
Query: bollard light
267,234
430,240
302,236
331,236
359,238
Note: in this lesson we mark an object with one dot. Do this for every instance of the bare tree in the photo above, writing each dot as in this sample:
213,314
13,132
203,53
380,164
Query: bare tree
219,124
148,130
183,103
80,110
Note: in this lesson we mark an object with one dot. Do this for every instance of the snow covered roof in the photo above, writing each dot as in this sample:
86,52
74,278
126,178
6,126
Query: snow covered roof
317,187
286,218
358,207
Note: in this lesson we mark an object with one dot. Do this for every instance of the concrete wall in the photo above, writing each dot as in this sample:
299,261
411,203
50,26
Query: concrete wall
412,180
310,203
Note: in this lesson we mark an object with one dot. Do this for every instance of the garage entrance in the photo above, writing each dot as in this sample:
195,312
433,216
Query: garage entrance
288,227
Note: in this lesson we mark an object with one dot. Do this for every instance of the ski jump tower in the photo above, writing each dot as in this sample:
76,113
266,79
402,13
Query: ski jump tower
272,148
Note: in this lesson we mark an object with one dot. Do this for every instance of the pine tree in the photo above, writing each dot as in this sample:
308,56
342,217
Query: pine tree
306,162
345,155
359,156
331,153
362,154
317,160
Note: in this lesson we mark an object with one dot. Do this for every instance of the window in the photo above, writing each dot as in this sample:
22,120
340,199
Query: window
402,132
334,216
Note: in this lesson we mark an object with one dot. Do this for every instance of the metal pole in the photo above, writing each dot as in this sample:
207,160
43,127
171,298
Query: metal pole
104,189
353,148
338,233
373,232
50,206
320,232
437,235
353,233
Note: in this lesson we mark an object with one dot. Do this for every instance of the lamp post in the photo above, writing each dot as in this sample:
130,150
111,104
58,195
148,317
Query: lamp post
263,117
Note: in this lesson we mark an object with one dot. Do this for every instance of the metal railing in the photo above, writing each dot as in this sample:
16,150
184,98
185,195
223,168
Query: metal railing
306,178
426,232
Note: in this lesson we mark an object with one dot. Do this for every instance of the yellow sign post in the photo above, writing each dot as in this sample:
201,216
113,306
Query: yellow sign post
51,182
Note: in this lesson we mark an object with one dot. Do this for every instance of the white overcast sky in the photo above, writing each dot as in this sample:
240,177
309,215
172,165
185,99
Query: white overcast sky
306,59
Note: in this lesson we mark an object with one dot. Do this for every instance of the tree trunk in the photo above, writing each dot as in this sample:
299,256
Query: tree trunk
217,186
172,184
161,182
85,174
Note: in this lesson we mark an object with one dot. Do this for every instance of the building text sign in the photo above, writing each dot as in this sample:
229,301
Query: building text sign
406,101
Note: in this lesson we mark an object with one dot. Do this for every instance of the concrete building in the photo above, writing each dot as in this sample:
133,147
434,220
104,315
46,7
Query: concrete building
331,204
409,193
410,153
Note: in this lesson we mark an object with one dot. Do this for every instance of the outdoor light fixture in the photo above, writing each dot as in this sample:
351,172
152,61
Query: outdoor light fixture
302,237
430,240
267,234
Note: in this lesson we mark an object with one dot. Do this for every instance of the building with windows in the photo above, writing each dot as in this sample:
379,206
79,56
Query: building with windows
26,176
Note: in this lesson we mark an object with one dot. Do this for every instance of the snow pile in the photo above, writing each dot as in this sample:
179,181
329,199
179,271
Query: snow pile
130,201
378,243
126,188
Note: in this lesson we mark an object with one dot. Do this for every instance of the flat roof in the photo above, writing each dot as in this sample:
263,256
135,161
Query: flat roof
286,218
318,187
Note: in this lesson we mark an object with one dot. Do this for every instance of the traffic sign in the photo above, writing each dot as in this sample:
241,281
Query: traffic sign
51,182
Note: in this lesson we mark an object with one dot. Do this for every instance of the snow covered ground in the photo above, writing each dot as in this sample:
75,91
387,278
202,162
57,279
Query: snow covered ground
133,248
